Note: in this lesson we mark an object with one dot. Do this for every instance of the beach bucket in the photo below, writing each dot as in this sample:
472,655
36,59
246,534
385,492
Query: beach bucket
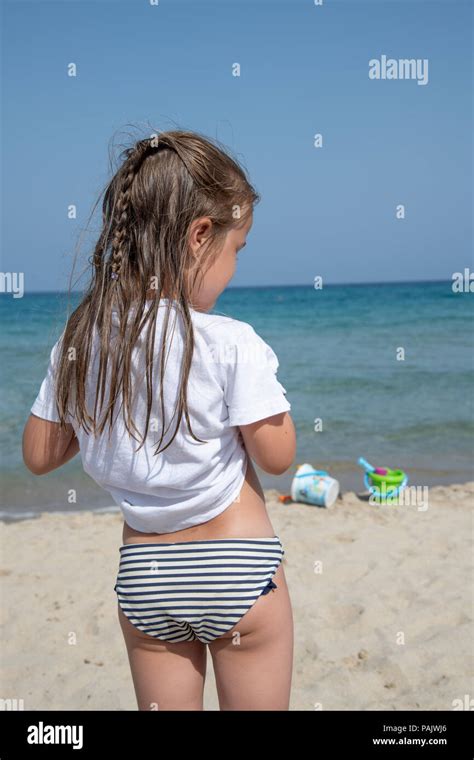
382,482
312,486
385,486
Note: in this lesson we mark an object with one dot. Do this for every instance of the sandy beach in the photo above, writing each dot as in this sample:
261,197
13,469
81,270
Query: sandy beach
382,603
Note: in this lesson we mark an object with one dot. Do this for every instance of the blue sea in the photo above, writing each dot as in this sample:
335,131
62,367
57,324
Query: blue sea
341,353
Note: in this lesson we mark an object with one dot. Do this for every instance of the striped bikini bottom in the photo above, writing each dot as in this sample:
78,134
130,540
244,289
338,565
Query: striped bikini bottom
194,589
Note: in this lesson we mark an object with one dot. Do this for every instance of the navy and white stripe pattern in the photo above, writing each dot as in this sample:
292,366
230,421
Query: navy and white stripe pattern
194,589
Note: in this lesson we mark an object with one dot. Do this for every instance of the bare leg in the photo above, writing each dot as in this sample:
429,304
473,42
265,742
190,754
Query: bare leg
253,662
166,676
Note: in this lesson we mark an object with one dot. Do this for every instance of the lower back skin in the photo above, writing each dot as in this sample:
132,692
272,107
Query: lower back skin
246,517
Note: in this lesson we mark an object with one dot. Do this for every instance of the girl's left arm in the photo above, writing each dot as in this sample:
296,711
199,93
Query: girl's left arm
45,446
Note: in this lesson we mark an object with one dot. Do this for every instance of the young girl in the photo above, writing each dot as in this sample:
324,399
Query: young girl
168,406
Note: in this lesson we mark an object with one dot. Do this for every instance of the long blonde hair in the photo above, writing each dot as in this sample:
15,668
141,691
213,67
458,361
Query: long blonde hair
164,183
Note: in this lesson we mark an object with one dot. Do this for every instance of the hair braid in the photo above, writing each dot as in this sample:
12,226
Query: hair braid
134,159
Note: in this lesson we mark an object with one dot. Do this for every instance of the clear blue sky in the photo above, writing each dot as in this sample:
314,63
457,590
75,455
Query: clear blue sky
304,70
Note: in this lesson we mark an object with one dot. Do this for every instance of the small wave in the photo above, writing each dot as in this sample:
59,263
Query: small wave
430,431
15,515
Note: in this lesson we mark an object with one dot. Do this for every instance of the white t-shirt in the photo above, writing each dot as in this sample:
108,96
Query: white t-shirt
232,382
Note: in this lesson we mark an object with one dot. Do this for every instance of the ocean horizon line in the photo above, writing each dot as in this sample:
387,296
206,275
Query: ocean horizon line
283,285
